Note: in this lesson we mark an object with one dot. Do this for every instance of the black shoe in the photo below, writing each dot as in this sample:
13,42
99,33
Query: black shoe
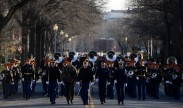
67,102
118,103
102,103
139,98
104,100
122,103
71,102
86,103
144,99
52,102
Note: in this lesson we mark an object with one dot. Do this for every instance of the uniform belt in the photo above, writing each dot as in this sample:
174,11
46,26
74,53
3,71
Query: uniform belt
141,75
27,73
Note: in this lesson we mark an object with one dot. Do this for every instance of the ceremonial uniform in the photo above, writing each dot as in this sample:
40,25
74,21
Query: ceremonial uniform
141,80
131,81
110,87
27,77
44,78
176,80
6,83
16,77
156,80
120,80
103,76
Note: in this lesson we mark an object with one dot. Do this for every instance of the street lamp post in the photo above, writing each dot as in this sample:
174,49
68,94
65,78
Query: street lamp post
66,36
55,28
126,40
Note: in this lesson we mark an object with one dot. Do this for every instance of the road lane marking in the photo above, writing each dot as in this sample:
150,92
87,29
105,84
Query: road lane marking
92,105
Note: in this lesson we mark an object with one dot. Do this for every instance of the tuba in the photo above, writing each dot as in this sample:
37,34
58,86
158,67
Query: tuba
57,57
92,56
111,56
174,76
130,73
73,56
154,75
171,60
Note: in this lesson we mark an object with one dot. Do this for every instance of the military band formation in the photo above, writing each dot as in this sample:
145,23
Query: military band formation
131,76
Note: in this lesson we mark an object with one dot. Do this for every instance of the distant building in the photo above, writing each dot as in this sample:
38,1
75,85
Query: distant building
105,44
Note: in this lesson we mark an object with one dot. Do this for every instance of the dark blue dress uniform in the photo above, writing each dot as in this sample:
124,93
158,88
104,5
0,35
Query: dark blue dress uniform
53,75
85,76
141,81
110,87
131,82
44,79
16,77
121,79
156,80
176,80
168,70
6,83
27,77
103,76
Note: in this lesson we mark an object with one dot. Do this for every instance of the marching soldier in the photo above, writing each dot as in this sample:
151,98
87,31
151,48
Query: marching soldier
110,87
168,70
16,76
120,79
43,74
69,76
35,75
53,75
7,80
176,82
27,78
156,80
86,78
141,79
131,79
102,76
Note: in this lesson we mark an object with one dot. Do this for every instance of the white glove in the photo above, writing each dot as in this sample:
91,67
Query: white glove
22,79
47,82
115,81
167,82
137,78
59,83
78,83
97,80
108,83
62,82
126,84
44,73
12,83
91,83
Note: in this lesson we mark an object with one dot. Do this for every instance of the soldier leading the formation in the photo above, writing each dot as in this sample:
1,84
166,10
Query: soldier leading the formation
86,79
69,77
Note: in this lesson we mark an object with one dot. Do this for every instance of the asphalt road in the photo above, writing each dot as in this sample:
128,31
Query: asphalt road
39,101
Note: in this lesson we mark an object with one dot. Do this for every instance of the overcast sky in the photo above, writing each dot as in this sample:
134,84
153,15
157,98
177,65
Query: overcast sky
115,4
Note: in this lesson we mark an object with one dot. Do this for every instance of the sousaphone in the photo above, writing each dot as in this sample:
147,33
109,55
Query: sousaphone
111,56
73,56
92,56
57,57
171,60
